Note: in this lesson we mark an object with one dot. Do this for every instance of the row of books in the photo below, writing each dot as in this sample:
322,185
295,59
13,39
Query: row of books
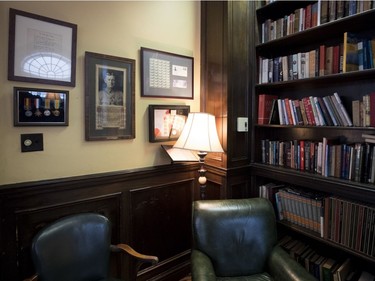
322,267
364,111
355,162
342,221
310,16
312,111
350,224
355,53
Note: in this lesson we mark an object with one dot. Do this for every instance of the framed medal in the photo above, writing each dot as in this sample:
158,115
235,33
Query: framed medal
40,107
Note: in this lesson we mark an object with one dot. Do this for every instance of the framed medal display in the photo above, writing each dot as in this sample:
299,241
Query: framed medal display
40,107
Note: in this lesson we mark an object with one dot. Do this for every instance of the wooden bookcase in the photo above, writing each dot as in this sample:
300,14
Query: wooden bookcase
350,86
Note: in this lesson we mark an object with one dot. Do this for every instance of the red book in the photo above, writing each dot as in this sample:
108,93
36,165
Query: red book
336,59
308,110
289,111
372,109
264,108
302,155
329,60
308,16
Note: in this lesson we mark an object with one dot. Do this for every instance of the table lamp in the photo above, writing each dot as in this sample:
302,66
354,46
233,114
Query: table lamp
199,134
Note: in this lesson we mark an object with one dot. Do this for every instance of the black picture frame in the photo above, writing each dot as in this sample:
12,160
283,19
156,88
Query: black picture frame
166,75
166,121
40,107
109,115
41,49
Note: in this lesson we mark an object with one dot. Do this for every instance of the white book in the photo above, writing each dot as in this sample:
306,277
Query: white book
264,70
301,25
293,111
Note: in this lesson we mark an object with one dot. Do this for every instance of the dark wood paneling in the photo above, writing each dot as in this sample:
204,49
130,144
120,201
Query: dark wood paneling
150,209
225,28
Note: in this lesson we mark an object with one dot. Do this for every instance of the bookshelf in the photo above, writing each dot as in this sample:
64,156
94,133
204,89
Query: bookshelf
350,86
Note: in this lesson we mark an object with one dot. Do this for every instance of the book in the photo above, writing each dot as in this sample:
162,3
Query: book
264,108
343,271
303,113
295,65
372,47
336,59
343,110
372,109
315,111
356,113
264,70
331,112
281,112
309,111
322,59
350,52
284,63
274,114
324,16
366,110
360,55
328,60
327,269
312,61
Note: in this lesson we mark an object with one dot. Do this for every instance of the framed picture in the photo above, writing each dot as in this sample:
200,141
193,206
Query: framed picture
40,107
41,49
109,92
166,75
166,121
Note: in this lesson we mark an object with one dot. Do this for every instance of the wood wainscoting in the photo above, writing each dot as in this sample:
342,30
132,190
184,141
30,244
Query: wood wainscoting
150,209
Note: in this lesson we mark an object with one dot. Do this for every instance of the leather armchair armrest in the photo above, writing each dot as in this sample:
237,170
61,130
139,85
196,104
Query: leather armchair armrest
124,248
201,267
283,268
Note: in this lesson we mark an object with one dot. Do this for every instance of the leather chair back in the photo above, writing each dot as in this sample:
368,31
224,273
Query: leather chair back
237,234
74,248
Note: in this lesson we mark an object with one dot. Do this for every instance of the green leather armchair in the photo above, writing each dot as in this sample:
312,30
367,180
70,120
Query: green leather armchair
78,248
236,239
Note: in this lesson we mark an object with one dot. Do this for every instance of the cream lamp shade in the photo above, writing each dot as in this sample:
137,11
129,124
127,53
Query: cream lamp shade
199,134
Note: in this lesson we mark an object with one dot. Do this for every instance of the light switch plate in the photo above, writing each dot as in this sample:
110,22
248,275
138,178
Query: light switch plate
242,124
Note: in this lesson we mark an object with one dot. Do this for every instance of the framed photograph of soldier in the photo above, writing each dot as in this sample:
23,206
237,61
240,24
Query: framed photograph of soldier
109,97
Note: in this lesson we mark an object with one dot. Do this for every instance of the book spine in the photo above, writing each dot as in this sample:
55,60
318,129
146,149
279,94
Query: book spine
314,111
366,110
372,109
343,109
281,112
322,60
303,113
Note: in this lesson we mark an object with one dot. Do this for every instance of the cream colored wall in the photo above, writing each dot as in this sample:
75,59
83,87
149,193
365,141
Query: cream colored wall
113,28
